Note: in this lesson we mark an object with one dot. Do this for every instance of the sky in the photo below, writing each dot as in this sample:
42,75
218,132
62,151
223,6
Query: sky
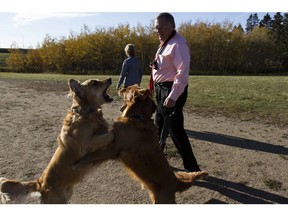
26,23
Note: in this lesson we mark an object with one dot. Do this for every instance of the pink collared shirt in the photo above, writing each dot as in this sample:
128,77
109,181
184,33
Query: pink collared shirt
173,65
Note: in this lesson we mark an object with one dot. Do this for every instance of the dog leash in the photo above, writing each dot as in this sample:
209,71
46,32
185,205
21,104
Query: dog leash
169,112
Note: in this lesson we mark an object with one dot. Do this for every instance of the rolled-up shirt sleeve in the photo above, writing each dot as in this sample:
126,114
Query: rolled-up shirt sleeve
181,62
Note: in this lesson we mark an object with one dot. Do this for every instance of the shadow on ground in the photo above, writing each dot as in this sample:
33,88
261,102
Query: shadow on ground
237,142
239,192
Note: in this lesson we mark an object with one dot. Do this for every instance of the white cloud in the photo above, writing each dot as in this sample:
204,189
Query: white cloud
26,18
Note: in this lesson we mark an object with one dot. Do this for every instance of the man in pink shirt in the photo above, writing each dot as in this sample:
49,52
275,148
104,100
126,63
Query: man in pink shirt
170,73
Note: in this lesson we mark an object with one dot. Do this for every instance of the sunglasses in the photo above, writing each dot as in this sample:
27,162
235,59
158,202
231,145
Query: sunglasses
154,65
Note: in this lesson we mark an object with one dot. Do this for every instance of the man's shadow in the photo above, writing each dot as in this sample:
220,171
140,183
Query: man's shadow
238,191
237,142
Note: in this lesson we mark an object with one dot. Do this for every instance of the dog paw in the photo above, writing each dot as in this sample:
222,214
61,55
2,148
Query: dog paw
201,174
2,179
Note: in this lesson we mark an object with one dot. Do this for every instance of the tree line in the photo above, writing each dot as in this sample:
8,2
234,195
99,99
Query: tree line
216,48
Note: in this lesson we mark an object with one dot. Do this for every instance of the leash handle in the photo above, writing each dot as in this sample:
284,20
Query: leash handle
168,111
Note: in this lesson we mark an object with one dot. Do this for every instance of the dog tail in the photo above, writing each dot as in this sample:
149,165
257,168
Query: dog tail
17,192
186,179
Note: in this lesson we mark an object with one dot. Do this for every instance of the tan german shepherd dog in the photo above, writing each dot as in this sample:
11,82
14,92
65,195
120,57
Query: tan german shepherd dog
84,130
136,145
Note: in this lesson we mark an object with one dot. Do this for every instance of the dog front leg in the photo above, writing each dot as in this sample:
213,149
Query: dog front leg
96,157
100,141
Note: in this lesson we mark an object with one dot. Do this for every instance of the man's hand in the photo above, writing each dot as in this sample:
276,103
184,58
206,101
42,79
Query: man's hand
169,103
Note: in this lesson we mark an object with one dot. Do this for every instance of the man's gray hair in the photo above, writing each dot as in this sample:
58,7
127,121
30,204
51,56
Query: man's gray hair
168,18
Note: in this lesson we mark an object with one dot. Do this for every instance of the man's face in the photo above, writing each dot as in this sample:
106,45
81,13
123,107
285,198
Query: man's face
162,28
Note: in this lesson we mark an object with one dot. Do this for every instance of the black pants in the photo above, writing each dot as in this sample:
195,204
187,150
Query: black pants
176,129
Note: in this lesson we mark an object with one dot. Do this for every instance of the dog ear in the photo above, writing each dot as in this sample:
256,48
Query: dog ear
75,87
145,93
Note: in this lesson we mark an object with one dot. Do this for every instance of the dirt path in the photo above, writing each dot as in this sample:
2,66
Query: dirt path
247,162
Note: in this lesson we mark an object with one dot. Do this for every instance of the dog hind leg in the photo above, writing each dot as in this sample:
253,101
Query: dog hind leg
163,197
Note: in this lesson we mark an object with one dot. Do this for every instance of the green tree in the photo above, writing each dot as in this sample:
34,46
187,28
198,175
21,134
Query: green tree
146,43
217,48
266,22
252,22
239,27
53,55
249,24
285,41
277,27
47,53
237,55
255,20
278,34
34,61
16,60
259,50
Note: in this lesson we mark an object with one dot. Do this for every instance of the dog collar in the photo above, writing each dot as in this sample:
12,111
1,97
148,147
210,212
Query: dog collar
137,116
81,111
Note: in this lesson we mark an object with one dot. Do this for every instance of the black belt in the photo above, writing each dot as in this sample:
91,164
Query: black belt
164,84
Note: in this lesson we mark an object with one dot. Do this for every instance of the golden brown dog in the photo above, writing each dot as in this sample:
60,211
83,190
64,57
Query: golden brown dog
136,145
84,130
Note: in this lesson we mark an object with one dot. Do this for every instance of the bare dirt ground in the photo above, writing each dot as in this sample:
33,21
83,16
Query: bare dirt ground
247,161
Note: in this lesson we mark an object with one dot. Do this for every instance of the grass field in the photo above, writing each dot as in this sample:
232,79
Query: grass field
263,98
257,98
